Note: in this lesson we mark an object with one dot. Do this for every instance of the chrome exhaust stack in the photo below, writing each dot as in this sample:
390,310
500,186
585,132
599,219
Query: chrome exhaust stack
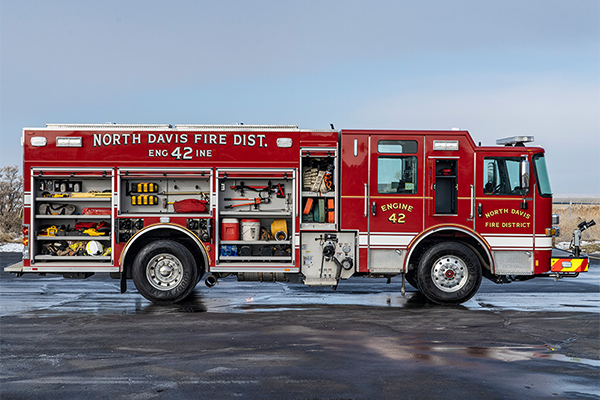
211,280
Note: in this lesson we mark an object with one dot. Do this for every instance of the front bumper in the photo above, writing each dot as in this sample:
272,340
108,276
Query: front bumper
565,262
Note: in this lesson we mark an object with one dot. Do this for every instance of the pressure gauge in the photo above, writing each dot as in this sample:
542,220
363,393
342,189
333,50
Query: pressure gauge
347,263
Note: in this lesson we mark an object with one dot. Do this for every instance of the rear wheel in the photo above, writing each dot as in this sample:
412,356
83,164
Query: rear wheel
449,273
165,272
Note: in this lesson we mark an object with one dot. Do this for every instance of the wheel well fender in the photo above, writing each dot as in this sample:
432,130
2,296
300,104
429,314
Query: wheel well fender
164,231
452,233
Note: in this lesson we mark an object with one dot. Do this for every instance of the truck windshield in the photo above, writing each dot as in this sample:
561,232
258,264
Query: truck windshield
541,175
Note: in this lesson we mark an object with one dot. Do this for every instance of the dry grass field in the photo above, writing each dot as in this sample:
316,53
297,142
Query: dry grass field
9,238
572,215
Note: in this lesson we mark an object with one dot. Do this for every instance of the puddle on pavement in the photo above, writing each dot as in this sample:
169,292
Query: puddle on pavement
512,353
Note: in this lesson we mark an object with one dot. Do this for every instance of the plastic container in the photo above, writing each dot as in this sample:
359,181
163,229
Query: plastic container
230,229
250,229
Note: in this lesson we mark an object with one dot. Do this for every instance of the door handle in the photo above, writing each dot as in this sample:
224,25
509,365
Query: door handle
479,210
366,201
374,209
472,201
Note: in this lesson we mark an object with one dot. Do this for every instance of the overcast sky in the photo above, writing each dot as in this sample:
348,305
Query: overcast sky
496,68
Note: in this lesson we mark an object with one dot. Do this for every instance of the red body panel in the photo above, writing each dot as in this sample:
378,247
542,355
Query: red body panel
447,194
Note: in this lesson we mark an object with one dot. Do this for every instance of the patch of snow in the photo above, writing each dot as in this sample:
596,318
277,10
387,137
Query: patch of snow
565,245
11,247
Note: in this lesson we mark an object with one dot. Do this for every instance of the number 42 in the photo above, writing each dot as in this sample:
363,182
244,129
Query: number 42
397,218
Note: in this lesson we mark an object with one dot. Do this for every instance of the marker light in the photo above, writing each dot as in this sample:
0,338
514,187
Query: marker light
445,144
284,142
69,142
38,141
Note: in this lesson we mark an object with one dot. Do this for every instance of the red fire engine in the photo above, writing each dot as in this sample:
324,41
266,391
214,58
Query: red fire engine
164,205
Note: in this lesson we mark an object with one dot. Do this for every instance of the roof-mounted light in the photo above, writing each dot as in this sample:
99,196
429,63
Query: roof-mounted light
69,142
284,142
38,141
445,144
514,141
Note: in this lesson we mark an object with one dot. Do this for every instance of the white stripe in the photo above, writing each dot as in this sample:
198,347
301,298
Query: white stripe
523,242
390,240
543,242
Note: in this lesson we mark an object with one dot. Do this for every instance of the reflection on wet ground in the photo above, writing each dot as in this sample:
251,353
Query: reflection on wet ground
100,295
522,336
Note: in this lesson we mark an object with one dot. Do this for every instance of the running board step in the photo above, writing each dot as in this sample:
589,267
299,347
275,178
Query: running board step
18,267
321,281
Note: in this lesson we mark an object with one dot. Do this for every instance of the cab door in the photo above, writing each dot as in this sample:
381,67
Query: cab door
395,201
505,212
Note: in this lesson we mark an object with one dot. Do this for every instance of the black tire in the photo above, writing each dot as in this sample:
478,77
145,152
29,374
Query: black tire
411,278
449,273
165,272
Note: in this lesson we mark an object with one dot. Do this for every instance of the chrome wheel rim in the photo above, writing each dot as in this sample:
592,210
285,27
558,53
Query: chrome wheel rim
449,274
164,271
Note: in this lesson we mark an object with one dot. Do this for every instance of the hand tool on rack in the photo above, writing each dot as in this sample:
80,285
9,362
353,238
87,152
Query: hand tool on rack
255,201
269,189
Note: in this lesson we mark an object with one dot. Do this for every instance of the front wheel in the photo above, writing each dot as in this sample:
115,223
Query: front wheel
449,273
411,278
165,272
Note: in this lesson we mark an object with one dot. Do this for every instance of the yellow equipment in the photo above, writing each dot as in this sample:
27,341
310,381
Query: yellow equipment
279,229
93,232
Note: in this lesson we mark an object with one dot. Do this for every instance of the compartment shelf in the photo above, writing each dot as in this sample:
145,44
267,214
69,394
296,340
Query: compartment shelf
72,258
318,194
73,199
81,238
256,214
317,225
256,258
73,216
259,242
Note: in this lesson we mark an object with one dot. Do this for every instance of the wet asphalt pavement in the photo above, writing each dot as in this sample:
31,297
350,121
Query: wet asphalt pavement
82,339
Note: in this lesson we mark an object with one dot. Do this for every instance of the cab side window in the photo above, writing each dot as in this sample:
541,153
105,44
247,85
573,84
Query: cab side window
501,176
397,174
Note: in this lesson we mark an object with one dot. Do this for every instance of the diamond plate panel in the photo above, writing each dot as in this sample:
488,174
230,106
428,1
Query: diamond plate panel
513,262
385,261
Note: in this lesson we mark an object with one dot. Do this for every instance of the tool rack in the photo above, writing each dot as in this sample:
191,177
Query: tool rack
266,195
81,188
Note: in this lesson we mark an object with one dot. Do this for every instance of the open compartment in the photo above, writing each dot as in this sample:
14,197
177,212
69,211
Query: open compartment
319,189
71,215
255,216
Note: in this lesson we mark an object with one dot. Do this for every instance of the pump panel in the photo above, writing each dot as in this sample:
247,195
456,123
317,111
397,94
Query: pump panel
327,257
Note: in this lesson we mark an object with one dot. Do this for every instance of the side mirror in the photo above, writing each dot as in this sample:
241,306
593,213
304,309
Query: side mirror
524,169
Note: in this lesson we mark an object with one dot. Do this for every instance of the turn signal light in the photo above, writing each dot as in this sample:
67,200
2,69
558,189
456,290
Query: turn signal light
26,235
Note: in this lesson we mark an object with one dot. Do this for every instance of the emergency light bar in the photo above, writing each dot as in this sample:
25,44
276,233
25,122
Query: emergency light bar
236,127
110,126
514,140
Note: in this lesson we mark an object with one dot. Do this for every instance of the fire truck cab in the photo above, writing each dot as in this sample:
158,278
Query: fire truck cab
165,205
